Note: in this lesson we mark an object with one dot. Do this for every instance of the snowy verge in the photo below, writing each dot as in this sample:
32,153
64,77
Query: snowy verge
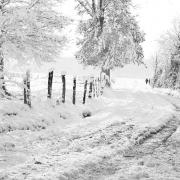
14,115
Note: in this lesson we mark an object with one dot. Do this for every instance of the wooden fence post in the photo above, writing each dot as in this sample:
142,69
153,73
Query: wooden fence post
90,89
101,86
50,81
28,92
74,90
94,88
85,91
25,90
63,88
98,86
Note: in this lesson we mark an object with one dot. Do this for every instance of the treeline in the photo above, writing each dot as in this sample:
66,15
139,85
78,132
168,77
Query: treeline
167,60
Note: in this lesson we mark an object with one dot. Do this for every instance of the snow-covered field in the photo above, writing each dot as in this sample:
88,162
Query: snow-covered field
133,134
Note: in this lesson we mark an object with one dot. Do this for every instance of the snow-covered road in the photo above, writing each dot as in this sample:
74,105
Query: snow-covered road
133,134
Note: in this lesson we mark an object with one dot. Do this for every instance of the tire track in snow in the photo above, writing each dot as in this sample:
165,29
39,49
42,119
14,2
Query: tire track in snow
148,144
109,166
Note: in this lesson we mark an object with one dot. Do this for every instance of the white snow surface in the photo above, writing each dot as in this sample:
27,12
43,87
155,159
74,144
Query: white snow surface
51,141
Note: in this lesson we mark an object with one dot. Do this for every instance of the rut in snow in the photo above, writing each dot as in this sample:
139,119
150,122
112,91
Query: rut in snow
122,159
153,140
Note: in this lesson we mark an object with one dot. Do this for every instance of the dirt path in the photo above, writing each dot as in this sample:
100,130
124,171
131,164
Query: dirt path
119,165
154,157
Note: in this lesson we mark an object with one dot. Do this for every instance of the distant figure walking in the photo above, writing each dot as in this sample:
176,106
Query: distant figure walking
146,80
149,81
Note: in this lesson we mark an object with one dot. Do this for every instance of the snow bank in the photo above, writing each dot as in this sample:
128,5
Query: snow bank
15,115
174,93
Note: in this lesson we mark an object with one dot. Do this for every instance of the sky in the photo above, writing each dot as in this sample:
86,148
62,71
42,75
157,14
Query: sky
155,18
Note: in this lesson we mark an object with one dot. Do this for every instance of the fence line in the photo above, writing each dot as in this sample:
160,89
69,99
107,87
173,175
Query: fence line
94,84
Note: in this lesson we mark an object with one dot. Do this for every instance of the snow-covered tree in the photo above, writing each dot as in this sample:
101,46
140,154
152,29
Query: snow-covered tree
169,59
110,33
30,31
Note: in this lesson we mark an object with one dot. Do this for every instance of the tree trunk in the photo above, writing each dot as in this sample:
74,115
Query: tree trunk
107,74
93,6
175,72
155,71
101,17
2,83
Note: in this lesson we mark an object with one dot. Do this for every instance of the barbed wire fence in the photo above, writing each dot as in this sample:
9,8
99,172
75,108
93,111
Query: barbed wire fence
61,87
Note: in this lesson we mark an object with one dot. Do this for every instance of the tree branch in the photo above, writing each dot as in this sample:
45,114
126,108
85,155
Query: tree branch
84,6
33,4
93,6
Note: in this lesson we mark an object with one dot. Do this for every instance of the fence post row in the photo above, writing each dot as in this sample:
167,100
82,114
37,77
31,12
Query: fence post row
85,91
74,90
63,88
50,81
95,88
